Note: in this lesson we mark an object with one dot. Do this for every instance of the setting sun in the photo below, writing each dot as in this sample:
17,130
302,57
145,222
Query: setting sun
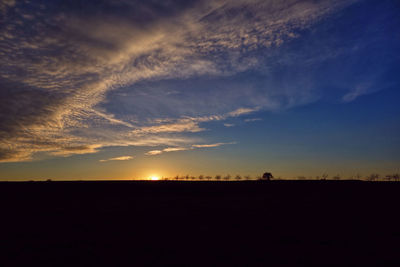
154,178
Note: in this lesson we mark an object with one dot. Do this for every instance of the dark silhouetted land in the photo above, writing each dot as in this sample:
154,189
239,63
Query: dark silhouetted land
252,223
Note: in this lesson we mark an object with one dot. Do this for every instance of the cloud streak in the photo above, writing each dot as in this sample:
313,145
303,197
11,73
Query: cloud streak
168,149
122,158
213,145
253,119
174,149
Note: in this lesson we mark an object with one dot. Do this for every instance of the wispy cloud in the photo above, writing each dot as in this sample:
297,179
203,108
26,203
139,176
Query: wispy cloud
252,119
60,67
229,124
182,125
168,149
117,158
6,4
360,89
241,111
153,152
213,145
189,124
79,149
174,149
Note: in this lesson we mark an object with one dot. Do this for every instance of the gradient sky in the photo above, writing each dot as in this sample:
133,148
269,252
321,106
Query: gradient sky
127,89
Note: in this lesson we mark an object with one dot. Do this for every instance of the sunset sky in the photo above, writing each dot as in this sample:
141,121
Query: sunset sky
130,89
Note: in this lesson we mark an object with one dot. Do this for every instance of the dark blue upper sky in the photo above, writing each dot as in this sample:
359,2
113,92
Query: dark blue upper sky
123,89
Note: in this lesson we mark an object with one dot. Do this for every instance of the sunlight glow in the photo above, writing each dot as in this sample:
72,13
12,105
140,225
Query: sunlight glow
154,178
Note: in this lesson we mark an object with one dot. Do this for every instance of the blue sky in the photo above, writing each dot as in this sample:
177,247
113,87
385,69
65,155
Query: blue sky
126,89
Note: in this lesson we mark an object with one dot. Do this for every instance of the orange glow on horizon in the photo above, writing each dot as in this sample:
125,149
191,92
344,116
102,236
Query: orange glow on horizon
154,178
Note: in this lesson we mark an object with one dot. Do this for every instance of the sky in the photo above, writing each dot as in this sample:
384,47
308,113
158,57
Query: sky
129,89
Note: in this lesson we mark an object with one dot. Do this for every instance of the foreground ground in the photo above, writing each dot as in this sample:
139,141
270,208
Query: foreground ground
281,223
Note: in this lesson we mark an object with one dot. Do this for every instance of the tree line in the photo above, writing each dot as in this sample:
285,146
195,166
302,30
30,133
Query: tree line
325,176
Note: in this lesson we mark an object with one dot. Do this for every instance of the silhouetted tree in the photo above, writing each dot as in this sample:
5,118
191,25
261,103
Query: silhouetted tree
267,176
324,176
337,177
217,177
238,177
177,177
187,177
373,177
396,177
208,177
247,177
228,177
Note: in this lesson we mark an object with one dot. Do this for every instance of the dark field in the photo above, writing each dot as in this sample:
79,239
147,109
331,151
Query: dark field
252,223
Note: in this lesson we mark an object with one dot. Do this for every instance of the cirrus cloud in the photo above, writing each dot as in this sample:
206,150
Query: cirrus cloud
122,158
61,64
174,149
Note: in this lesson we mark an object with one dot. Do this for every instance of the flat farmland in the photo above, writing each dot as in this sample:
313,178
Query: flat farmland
241,223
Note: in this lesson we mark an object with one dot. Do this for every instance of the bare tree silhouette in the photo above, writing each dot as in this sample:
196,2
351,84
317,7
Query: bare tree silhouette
337,177
324,176
396,177
373,177
208,177
227,177
217,177
389,177
201,177
238,177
